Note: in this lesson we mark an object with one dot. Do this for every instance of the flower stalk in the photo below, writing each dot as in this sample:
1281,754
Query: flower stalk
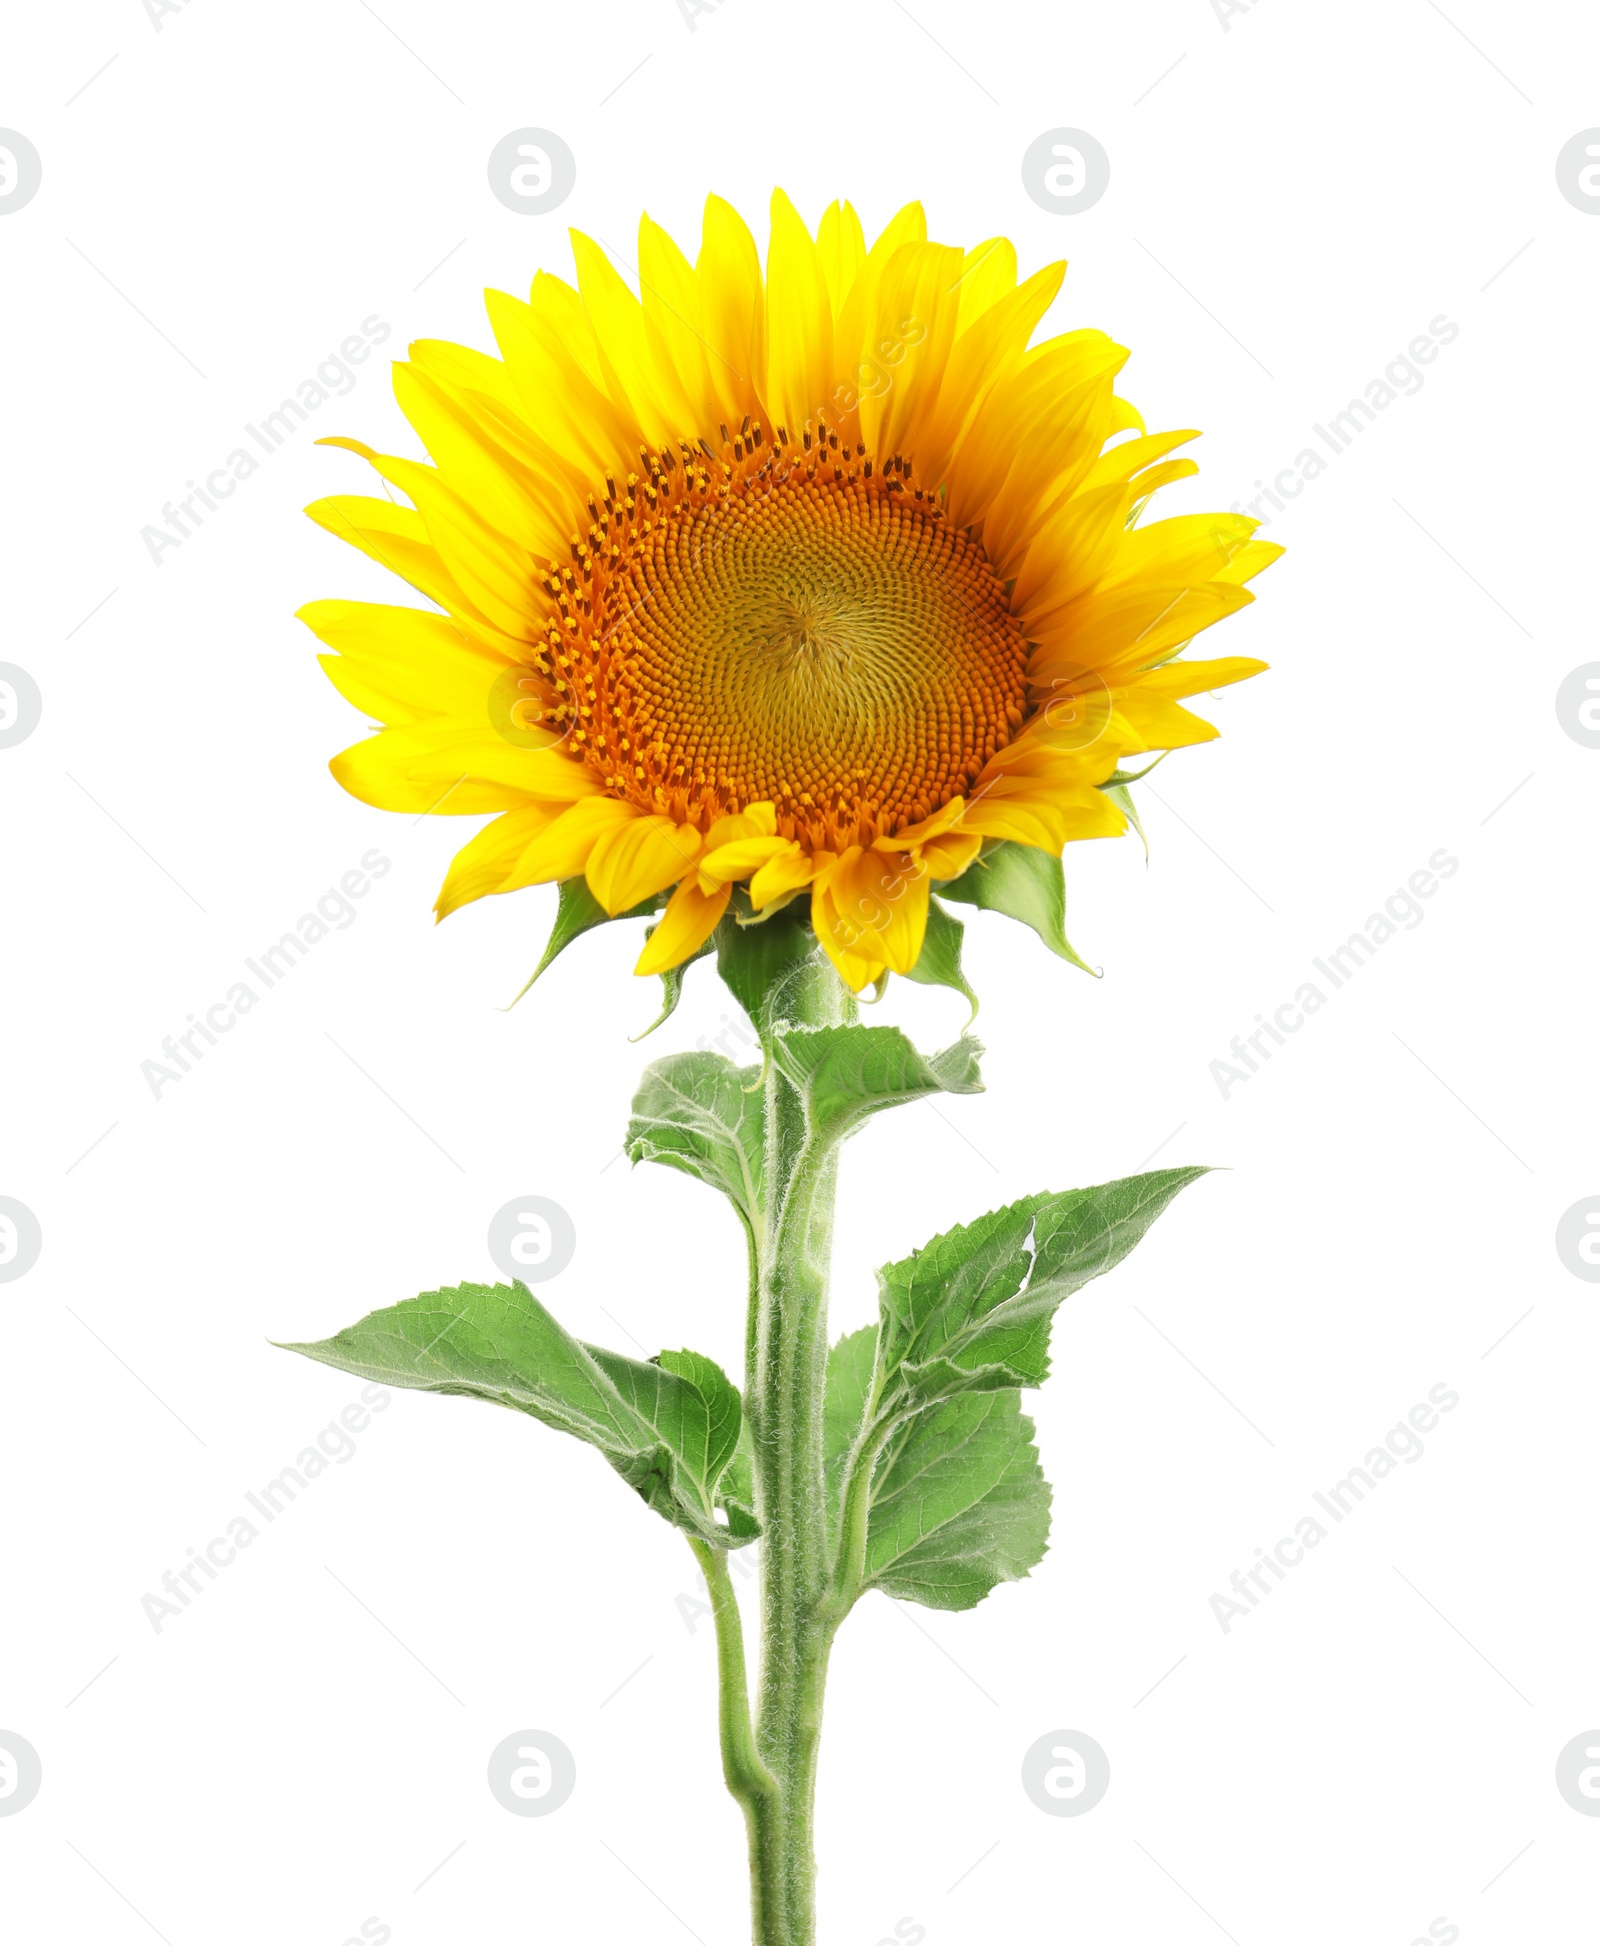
785,1388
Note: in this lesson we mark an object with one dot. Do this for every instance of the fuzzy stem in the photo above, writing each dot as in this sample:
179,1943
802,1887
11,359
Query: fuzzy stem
785,1390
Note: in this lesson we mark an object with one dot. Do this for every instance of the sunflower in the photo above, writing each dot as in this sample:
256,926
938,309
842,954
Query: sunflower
824,584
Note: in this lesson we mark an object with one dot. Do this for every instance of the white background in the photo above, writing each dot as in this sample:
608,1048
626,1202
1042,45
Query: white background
1373,1746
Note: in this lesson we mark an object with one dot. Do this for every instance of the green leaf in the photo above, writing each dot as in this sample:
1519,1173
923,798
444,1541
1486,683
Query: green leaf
1025,884
690,1401
959,1504
844,1409
757,961
957,1501
939,962
974,1309
669,1435
698,1113
736,1492
578,911
847,1074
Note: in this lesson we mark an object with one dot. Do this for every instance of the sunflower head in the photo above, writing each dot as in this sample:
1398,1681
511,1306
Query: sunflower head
793,594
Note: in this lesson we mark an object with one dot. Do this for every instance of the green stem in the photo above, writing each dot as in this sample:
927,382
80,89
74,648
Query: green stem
784,1392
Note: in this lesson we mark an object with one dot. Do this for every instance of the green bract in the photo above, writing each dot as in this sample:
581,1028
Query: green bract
755,951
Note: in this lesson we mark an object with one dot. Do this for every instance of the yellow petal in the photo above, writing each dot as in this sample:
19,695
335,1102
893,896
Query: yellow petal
988,272
783,874
403,665
563,848
635,379
1063,746
494,573
856,358
483,864
858,969
1036,433
1051,459
843,250
398,695
908,921
1248,561
1146,723
395,537
463,369
1122,461
369,772
455,769
857,973
909,224
687,923
1184,552
981,357
1186,678
913,327
1082,541
949,856
733,312
561,309
1149,718
944,819
670,293
1153,478
738,858
873,907
800,376
564,404
1122,629
1126,417
482,391
524,504
638,859
755,821
1141,724
1043,809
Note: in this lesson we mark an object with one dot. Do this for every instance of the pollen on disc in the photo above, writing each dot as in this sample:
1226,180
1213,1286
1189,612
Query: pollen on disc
786,625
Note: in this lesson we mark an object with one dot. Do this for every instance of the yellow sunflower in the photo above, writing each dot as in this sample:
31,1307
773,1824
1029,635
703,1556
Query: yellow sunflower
819,583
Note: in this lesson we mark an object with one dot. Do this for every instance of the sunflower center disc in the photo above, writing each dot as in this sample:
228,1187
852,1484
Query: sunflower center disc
823,640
